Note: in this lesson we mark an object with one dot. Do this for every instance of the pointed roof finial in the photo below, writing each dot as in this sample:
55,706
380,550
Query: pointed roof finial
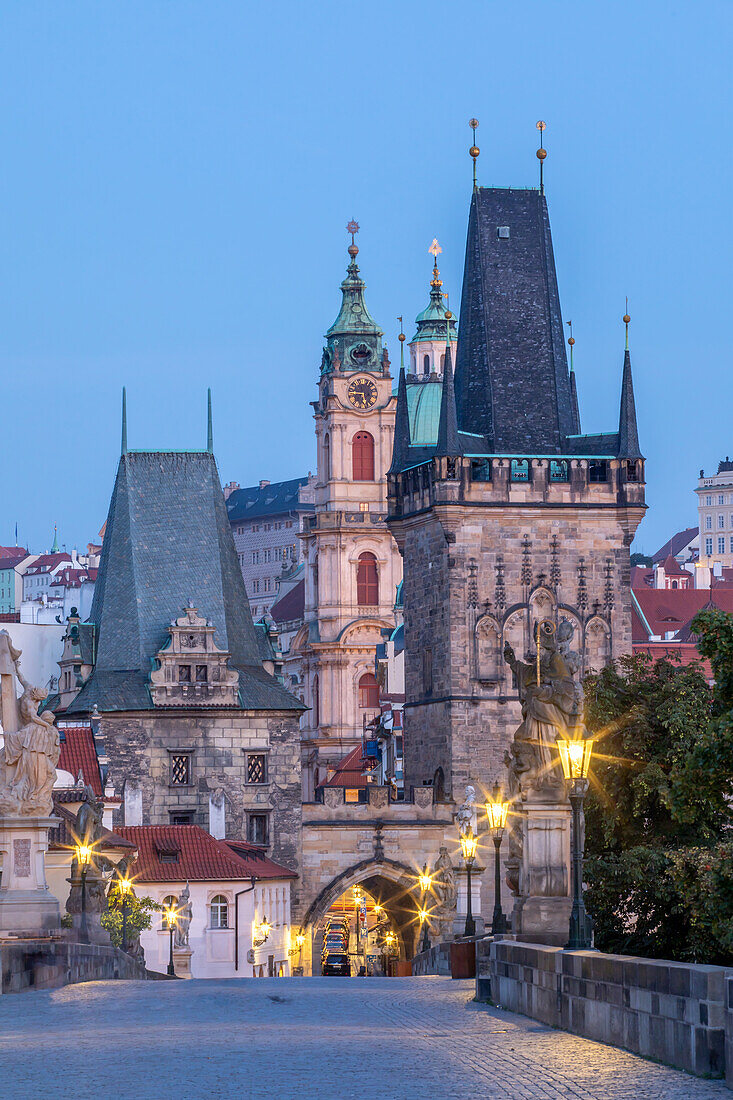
541,153
627,321
55,547
209,425
352,227
123,447
571,342
474,150
435,251
401,339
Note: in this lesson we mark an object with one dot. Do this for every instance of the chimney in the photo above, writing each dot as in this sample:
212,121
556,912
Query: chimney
264,484
133,804
217,814
227,490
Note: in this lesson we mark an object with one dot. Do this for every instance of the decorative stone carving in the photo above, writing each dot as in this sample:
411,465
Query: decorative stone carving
184,916
466,816
31,749
446,894
192,670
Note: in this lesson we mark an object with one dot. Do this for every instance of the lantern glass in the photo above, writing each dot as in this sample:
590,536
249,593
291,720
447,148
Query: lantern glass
83,854
469,844
426,881
497,811
575,757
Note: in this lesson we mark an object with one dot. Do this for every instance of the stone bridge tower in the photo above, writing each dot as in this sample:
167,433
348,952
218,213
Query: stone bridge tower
508,514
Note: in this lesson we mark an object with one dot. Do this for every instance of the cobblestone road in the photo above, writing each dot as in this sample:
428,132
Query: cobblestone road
376,1039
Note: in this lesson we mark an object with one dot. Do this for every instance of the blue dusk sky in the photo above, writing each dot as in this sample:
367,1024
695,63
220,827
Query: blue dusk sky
177,178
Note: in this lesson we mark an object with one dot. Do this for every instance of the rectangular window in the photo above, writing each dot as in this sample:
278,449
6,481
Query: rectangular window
731,544
288,523
266,555
255,557
266,526
184,674
427,671
708,523
597,470
255,586
257,829
558,470
481,469
351,795
256,767
708,546
255,526
202,674
708,501
180,819
721,521
168,857
267,584
721,499
180,769
721,544
520,469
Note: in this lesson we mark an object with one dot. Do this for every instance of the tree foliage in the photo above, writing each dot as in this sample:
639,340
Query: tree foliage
139,917
658,817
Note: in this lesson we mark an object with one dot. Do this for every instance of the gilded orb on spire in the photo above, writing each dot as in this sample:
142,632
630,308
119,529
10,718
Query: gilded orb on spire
352,227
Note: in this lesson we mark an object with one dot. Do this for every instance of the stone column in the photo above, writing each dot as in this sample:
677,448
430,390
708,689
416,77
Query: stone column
26,903
542,906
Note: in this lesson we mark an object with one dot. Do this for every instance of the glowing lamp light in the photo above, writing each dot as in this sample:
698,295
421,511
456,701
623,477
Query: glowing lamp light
124,885
496,812
469,844
378,910
265,927
425,881
171,915
423,915
390,939
83,854
575,757
299,940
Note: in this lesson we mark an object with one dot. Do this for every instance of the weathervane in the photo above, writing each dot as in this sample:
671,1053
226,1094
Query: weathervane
352,228
541,153
474,150
434,250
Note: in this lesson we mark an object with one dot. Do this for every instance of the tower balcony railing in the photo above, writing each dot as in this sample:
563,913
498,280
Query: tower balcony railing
329,521
517,479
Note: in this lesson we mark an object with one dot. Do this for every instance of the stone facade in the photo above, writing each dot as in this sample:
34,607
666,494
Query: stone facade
170,766
484,561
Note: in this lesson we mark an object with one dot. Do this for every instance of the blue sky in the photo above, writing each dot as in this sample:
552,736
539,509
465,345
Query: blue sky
177,177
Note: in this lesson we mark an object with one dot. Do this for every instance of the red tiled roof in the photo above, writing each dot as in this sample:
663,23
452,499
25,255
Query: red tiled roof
682,653
348,771
641,575
201,858
669,609
291,605
79,754
9,561
10,617
48,561
12,552
673,569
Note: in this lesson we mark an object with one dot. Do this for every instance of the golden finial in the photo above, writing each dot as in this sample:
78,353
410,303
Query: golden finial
434,250
474,150
401,339
627,320
541,153
352,227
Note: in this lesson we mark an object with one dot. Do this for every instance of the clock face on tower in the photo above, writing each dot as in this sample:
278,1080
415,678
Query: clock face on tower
362,393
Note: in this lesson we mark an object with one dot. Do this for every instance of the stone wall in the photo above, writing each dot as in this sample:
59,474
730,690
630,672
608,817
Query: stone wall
48,964
140,746
676,1013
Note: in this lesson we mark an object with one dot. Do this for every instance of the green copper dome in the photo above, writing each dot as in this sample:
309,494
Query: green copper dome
431,323
423,406
354,340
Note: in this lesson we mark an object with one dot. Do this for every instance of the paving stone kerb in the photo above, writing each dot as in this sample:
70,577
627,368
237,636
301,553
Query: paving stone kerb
676,1013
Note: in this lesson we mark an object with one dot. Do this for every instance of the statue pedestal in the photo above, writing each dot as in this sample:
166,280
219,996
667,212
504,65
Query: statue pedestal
542,906
26,903
182,961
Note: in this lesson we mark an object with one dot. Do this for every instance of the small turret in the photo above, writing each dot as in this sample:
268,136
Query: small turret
426,346
628,434
354,340
448,443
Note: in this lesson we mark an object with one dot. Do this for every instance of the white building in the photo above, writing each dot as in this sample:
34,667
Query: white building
715,511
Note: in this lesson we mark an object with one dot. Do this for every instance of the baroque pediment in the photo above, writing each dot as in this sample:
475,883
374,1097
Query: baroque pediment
192,671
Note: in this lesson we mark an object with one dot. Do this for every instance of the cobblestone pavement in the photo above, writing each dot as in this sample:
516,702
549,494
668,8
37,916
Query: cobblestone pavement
306,1037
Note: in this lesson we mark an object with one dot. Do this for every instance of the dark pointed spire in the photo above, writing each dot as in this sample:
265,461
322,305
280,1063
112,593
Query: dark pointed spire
448,425
209,426
573,388
628,434
401,444
123,447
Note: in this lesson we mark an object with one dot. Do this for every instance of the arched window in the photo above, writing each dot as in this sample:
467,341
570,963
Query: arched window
170,902
219,912
368,692
363,457
326,457
439,786
316,703
367,581
426,364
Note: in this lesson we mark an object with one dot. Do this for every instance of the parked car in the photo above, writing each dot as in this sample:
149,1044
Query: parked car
336,965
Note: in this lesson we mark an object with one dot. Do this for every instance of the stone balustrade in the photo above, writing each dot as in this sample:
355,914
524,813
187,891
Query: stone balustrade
677,1013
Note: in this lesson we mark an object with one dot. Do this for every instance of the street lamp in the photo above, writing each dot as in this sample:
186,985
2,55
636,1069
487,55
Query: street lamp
469,844
171,914
389,942
496,812
575,759
264,929
424,917
426,880
124,885
83,859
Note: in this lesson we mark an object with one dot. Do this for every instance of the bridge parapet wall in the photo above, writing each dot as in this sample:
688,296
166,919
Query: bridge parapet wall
673,1012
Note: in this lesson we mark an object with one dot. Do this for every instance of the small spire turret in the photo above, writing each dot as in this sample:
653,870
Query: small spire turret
628,432
448,443
354,339
401,443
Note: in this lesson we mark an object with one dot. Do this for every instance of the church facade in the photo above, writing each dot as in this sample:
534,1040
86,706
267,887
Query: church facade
507,515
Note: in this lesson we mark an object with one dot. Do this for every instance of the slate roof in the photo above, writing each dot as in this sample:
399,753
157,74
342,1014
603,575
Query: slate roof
201,858
291,606
78,754
167,541
273,499
676,544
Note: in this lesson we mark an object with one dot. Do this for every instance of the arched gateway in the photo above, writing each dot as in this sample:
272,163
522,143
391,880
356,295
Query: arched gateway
379,846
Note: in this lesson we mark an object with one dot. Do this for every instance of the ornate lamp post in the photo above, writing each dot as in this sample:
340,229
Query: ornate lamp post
170,916
496,812
389,942
83,859
264,929
426,881
469,844
575,759
124,885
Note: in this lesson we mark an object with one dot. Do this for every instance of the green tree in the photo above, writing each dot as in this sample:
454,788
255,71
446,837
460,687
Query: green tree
658,816
139,917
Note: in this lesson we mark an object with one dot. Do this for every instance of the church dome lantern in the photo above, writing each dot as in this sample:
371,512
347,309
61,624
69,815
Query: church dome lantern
354,340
